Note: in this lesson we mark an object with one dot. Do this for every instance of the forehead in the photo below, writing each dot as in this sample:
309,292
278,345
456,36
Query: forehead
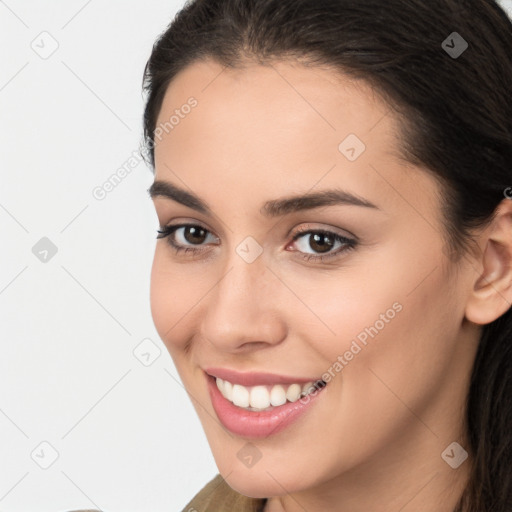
277,96
278,93
279,127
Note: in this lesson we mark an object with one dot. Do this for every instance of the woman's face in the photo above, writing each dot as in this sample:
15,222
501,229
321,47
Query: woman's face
380,319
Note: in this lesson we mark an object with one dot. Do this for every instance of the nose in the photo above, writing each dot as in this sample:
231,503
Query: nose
244,309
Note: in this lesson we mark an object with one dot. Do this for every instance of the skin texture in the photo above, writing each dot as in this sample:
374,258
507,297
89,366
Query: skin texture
374,438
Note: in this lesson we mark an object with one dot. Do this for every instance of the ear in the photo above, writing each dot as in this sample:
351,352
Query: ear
491,294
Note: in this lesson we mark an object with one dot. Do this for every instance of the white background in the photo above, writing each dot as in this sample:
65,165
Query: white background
126,434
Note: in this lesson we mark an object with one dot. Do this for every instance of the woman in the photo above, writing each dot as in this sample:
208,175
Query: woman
333,275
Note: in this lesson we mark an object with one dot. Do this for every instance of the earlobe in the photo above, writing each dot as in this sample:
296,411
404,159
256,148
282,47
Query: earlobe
491,294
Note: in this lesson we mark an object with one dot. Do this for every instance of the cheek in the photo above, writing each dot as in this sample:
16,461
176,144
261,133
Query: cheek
172,295
344,309
400,320
401,367
404,362
391,286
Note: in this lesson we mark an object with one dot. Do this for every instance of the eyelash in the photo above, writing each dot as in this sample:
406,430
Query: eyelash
350,244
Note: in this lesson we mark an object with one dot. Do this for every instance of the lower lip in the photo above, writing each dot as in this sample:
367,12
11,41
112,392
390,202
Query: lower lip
253,424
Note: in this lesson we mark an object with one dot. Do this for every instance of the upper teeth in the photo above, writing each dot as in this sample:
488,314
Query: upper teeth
261,397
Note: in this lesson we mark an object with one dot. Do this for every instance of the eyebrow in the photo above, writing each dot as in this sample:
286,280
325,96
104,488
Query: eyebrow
271,208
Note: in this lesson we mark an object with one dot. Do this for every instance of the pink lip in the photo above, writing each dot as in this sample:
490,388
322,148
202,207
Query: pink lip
254,424
255,378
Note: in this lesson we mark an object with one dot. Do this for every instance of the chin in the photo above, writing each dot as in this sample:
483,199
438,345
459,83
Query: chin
262,481
254,485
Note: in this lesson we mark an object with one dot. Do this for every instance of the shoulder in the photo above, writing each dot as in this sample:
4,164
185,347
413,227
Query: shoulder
218,496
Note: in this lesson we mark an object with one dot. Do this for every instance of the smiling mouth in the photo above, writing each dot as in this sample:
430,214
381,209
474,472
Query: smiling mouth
255,405
261,398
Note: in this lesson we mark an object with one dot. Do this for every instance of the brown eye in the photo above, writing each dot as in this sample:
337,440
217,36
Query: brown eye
184,236
323,242
194,234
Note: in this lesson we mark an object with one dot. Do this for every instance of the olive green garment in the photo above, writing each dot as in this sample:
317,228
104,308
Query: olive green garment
217,496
